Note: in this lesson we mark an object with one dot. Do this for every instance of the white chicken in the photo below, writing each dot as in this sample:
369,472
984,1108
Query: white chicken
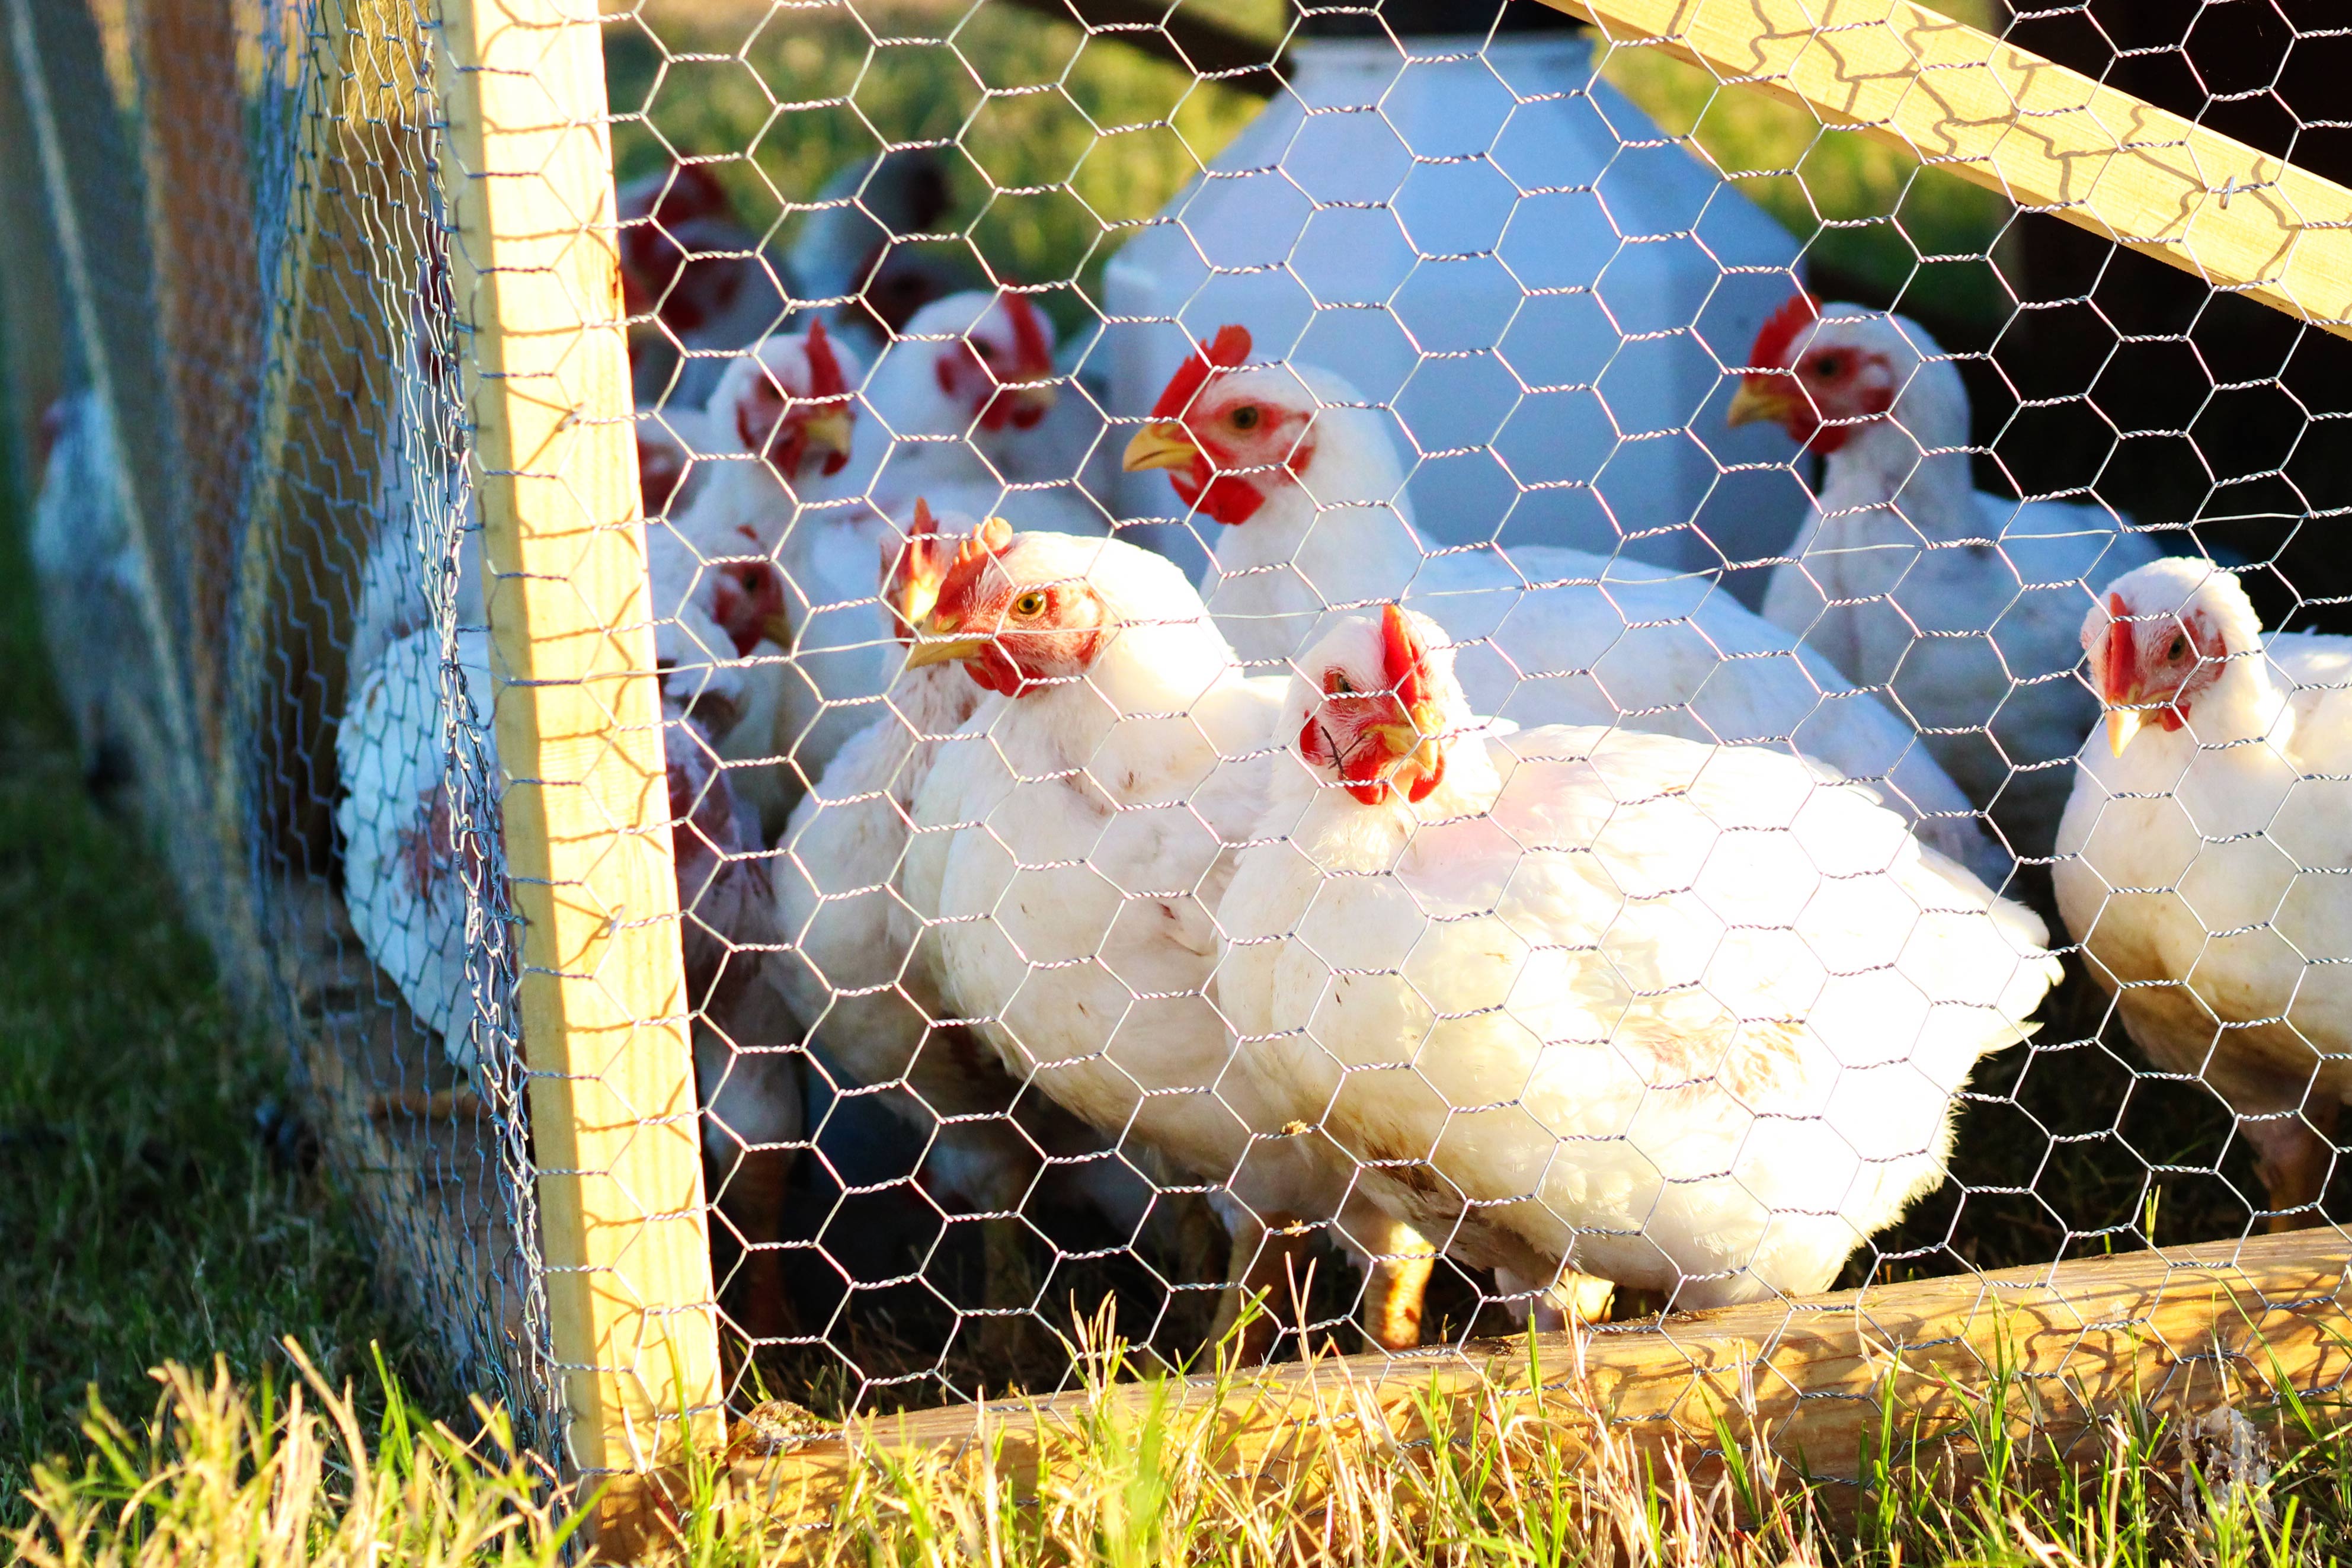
93,581
770,496
422,863
418,823
965,409
978,381
2201,858
843,962
1962,607
1689,1018
1305,480
1070,846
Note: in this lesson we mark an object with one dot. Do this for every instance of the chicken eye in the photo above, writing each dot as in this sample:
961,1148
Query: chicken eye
987,352
1829,367
1030,605
1336,684
2178,651
1245,418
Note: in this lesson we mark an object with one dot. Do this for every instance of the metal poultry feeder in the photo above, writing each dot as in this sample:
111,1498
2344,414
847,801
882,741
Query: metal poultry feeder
1480,232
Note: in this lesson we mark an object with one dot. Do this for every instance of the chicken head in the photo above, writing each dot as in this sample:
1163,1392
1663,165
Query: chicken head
1019,611
1821,378
791,403
2159,639
1228,435
914,570
685,257
996,364
1382,700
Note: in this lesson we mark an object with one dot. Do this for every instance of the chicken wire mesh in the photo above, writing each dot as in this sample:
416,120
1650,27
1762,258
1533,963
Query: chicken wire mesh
1119,907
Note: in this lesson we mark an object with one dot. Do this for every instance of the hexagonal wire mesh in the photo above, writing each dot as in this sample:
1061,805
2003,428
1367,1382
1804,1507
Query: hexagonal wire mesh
1121,908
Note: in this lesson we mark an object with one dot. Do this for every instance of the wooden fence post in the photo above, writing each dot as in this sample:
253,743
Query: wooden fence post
192,125
2049,139
603,1004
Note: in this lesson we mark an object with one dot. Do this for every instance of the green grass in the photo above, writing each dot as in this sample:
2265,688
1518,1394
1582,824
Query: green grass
145,1225
1067,142
142,1219
295,1472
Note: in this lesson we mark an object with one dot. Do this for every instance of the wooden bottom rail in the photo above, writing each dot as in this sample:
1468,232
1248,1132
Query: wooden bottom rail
2172,1330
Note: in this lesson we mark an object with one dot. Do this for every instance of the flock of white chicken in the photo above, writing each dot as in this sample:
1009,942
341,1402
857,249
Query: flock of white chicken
1549,913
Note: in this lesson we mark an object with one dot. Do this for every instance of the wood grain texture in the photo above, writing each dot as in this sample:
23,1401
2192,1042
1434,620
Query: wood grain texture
200,210
2050,139
586,803
2175,1329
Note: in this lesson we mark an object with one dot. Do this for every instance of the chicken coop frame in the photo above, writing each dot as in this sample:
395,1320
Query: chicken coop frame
621,1218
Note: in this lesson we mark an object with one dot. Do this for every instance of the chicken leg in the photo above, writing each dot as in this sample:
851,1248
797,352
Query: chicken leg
2294,1154
1571,1297
1397,1264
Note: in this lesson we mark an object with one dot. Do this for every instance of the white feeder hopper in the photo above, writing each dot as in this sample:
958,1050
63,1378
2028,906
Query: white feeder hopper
1483,234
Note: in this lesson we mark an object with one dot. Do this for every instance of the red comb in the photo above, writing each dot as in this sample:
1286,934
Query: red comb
1033,355
919,557
1231,348
2123,655
989,539
966,572
1780,332
826,380
1404,658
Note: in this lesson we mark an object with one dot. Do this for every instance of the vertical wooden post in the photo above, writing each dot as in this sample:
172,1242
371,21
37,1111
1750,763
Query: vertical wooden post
206,276
578,729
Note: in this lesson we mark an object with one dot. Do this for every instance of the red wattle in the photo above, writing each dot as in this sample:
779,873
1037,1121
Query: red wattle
1229,499
1423,785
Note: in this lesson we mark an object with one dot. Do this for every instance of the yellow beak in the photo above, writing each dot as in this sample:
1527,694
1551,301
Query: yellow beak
1761,400
935,643
1416,744
2123,723
1164,444
830,432
777,630
1035,396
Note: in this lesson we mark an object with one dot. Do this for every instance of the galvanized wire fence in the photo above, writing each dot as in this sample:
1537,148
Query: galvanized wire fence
1346,676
